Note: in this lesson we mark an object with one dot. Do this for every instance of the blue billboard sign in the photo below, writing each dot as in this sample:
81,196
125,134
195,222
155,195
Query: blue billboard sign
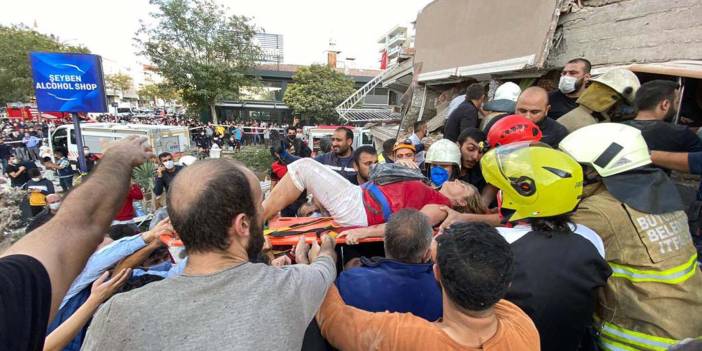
65,82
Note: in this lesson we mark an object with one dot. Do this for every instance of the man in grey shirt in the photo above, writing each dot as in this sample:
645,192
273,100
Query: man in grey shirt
222,301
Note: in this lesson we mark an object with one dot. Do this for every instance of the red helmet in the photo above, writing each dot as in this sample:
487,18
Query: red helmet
512,129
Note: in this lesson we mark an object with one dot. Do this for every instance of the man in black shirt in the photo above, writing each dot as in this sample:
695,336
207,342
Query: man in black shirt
18,171
573,82
656,101
533,104
466,114
165,173
36,272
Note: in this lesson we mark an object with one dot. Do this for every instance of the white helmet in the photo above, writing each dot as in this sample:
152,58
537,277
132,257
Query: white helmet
623,81
187,160
508,91
444,150
609,148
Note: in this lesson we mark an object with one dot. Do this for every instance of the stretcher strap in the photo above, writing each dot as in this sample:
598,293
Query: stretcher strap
380,198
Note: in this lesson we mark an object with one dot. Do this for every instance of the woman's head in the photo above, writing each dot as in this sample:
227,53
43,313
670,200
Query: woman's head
464,197
470,142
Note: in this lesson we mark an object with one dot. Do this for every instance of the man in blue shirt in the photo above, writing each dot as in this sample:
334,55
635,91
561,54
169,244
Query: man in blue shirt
401,282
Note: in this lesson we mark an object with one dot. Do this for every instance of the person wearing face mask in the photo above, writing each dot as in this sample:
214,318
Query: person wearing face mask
656,102
165,173
608,98
38,187
443,162
574,79
53,202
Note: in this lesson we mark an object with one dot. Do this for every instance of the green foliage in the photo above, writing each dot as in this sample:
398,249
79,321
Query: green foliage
203,52
118,82
152,92
144,176
256,158
315,92
16,42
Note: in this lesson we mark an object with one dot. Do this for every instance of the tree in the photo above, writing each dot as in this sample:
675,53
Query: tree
203,53
315,92
153,92
16,42
149,92
118,81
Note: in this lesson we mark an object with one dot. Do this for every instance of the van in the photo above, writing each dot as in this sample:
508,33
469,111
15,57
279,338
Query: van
97,136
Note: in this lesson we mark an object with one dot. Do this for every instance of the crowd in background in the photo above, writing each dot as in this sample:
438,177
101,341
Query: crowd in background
535,220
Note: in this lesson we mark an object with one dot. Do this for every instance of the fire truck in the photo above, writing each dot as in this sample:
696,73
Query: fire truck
29,112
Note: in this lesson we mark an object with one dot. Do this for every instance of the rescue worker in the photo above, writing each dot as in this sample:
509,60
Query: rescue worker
443,161
511,129
505,99
573,82
654,297
558,265
609,97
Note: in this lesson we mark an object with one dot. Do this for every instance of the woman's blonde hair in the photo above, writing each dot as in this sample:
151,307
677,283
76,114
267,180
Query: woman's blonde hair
474,202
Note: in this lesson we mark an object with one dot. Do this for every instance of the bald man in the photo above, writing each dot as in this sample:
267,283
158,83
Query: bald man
222,300
533,104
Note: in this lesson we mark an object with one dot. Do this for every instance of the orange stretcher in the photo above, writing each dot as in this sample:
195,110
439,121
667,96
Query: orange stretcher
286,231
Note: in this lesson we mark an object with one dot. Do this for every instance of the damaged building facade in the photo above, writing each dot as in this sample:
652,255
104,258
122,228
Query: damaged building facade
459,42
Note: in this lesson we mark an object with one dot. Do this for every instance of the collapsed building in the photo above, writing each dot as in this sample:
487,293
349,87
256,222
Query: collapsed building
459,42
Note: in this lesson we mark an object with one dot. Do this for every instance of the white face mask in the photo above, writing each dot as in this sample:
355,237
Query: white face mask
36,179
567,84
54,206
168,164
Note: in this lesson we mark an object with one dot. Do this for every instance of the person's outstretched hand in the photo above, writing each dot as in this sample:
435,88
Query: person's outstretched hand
353,235
163,227
133,149
301,251
103,290
326,249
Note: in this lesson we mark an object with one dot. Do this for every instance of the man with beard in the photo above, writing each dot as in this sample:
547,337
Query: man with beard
364,158
340,159
656,102
299,147
533,104
222,300
574,78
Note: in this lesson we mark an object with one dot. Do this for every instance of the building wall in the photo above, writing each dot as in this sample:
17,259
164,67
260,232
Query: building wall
457,33
611,32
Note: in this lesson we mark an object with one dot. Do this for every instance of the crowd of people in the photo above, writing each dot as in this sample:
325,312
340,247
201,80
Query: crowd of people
227,135
540,221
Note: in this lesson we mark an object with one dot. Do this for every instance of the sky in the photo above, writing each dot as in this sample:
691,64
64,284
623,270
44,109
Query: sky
107,27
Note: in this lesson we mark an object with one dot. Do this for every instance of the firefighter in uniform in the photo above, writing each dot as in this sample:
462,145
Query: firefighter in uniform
558,266
654,297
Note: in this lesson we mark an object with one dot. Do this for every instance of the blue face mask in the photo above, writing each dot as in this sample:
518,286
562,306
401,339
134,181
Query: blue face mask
439,175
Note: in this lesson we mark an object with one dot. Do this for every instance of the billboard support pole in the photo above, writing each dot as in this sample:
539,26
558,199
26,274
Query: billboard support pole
79,143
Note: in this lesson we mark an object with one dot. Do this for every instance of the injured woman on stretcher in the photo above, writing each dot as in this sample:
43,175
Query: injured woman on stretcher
391,188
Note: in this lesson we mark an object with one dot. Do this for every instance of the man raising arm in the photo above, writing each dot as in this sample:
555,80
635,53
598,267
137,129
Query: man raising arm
46,261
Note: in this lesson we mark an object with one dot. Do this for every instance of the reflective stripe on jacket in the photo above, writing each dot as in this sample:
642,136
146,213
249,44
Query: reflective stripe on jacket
654,297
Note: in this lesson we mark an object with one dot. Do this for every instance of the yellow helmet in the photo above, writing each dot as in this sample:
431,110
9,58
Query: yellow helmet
535,180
